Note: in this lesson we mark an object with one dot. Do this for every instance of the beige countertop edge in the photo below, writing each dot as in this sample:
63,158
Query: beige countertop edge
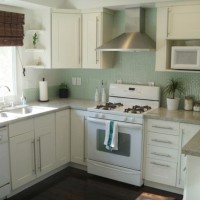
177,115
193,146
56,104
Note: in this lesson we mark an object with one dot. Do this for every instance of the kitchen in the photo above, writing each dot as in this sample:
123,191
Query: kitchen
129,67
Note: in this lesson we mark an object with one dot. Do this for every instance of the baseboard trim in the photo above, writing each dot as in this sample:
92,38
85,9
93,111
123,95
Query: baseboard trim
78,166
37,180
163,187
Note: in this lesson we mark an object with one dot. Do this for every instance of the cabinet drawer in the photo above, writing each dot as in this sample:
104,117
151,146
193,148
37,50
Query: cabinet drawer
163,140
161,126
161,171
21,127
162,153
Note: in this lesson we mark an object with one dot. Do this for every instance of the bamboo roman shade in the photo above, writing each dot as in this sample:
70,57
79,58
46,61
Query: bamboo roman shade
11,29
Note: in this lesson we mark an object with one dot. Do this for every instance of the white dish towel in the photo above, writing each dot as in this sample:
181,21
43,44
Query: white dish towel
111,135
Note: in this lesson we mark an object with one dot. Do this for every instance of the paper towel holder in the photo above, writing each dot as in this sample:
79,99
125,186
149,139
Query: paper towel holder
43,91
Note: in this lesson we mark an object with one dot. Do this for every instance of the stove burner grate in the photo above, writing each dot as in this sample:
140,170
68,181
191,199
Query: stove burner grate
109,106
137,109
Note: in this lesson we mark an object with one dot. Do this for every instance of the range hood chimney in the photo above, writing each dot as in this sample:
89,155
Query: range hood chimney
134,38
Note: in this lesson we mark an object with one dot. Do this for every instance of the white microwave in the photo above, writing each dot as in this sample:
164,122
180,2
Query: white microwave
185,57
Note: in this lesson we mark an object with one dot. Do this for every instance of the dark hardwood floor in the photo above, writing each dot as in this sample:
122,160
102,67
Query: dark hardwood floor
74,184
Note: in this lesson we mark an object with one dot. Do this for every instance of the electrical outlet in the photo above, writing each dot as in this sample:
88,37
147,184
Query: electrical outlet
78,80
73,80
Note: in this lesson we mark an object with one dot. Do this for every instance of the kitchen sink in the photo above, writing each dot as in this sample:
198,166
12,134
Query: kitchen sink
28,110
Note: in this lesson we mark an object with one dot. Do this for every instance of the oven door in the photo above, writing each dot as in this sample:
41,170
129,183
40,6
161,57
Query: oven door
129,153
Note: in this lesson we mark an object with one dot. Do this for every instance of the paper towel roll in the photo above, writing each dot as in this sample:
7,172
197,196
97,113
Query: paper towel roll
43,88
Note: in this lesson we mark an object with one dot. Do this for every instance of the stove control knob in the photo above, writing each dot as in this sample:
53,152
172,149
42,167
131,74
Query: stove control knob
133,120
125,119
102,116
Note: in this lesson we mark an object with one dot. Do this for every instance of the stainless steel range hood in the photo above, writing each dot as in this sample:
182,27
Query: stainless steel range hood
134,38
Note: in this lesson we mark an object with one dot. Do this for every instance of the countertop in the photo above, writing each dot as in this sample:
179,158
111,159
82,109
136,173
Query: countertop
183,116
193,146
53,105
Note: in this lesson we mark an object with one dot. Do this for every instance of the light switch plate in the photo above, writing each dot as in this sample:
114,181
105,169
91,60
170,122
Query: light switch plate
73,80
78,81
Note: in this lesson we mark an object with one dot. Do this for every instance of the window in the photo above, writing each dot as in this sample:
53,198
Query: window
8,71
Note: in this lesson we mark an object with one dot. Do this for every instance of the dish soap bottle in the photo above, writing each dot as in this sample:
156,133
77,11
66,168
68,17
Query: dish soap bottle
103,93
96,97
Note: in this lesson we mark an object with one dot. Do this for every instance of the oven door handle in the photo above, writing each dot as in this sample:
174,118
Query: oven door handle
120,124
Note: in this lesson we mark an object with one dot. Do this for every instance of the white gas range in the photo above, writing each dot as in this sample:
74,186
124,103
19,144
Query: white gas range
126,106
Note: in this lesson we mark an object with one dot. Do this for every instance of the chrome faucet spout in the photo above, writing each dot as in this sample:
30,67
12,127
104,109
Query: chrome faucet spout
4,86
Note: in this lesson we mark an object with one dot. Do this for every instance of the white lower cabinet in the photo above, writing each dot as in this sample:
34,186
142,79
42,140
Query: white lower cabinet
164,162
78,136
62,137
22,155
161,156
187,131
32,149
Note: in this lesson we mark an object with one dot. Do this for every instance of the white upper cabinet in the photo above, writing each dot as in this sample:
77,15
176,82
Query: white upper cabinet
175,25
97,29
66,39
183,22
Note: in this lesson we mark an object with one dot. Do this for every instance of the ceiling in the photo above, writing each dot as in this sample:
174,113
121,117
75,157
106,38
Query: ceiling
86,4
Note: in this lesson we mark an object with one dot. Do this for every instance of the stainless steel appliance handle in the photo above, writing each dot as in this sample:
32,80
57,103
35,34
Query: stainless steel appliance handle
34,157
97,38
159,164
160,154
79,27
40,159
162,141
163,127
120,124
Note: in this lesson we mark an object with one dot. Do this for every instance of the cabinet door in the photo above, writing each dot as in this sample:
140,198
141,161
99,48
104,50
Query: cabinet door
92,38
62,137
187,132
45,143
183,22
23,160
66,40
78,136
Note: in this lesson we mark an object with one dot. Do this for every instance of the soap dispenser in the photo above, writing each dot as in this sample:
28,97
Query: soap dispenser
96,97
103,93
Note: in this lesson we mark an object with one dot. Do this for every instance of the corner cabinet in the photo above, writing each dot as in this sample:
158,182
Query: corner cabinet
66,38
78,138
62,137
32,149
187,131
97,29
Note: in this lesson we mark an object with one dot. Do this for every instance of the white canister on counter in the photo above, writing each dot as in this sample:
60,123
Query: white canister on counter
96,96
196,106
188,103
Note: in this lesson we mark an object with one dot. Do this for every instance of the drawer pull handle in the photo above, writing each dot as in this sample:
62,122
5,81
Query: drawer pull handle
162,165
163,127
159,154
162,141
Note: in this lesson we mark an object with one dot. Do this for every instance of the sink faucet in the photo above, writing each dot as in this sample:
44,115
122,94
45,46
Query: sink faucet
4,86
